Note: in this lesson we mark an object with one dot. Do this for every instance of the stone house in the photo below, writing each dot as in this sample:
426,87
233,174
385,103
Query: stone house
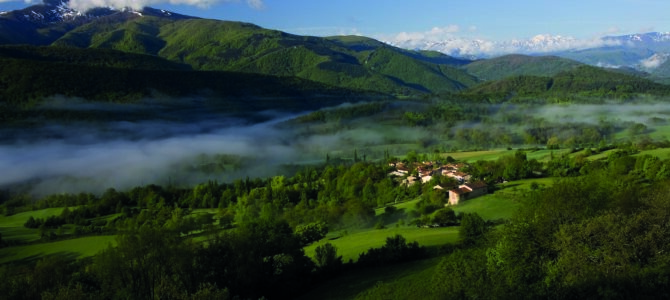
467,191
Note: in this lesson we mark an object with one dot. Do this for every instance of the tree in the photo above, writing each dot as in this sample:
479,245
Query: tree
473,228
445,217
143,264
327,259
31,223
311,232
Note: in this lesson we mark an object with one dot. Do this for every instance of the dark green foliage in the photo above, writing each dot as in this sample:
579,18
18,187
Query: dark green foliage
311,233
583,83
396,249
463,275
89,57
445,217
27,82
327,259
598,236
473,228
259,259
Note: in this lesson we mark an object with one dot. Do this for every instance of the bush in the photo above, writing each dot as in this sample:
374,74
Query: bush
327,259
311,233
396,250
473,227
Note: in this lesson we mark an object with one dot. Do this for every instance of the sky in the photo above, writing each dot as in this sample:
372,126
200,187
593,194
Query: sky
397,20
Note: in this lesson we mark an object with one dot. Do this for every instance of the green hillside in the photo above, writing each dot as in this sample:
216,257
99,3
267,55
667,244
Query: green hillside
25,82
608,56
581,82
349,62
89,57
515,65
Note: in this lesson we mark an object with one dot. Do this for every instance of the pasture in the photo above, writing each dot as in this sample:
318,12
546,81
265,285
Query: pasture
17,220
662,153
471,156
73,248
351,245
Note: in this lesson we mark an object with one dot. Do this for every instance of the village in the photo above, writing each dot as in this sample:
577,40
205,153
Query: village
427,169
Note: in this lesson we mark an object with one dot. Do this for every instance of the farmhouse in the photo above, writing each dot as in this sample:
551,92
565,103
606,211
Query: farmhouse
467,191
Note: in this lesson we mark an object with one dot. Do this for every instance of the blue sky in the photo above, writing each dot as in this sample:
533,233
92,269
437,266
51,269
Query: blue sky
486,19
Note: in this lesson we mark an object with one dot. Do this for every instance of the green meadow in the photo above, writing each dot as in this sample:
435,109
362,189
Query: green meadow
471,156
74,248
19,219
662,153
351,245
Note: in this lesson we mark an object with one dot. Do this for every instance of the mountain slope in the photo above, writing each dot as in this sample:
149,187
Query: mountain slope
89,57
241,47
28,76
515,65
583,81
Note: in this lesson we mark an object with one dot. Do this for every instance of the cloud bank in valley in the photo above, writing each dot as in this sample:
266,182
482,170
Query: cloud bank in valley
654,61
84,5
93,157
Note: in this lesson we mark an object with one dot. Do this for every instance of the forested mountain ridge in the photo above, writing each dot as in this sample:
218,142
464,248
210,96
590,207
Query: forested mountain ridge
241,47
515,64
580,82
214,45
30,74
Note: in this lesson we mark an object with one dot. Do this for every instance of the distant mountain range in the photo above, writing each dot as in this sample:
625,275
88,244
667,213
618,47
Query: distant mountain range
220,57
633,50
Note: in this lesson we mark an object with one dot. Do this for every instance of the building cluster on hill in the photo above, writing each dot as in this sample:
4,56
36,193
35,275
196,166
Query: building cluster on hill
426,170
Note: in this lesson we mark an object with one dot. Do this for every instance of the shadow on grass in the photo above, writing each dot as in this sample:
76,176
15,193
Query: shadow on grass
507,186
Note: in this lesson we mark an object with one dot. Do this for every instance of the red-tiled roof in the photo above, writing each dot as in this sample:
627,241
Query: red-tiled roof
460,191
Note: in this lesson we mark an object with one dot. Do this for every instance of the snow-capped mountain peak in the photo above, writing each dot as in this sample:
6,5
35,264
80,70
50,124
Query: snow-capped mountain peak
59,11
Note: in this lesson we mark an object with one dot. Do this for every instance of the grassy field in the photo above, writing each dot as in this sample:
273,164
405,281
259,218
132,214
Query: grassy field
351,245
12,229
74,248
19,219
660,132
602,155
489,207
471,156
663,153
545,155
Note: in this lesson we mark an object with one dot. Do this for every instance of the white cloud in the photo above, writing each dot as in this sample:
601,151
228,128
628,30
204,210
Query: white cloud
435,33
257,4
25,1
654,61
447,40
84,5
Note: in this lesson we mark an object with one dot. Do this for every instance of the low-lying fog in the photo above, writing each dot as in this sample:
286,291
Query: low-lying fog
200,145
